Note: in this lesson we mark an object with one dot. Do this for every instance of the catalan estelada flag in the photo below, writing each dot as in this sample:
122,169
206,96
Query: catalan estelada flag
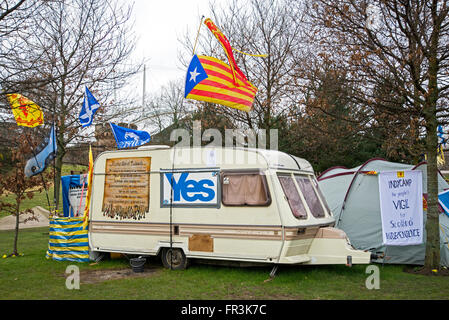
226,47
25,111
211,80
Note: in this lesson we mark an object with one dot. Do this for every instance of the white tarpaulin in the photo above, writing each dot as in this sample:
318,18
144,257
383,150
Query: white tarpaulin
401,205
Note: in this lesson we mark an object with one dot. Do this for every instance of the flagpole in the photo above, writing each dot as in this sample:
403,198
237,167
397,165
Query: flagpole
143,87
171,206
197,35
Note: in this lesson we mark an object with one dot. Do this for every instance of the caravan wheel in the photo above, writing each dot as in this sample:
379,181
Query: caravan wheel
174,258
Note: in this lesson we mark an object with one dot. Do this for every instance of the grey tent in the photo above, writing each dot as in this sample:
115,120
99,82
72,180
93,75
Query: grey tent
353,197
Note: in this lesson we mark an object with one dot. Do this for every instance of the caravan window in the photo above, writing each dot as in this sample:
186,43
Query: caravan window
310,195
320,194
245,189
293,197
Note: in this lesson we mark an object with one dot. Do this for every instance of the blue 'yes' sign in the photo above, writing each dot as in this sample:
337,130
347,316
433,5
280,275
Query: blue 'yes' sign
190,188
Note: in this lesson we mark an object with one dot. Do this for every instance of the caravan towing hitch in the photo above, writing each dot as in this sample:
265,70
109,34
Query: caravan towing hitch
377,255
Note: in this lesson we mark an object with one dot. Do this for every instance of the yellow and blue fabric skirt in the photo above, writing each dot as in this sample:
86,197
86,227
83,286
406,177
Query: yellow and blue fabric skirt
68,240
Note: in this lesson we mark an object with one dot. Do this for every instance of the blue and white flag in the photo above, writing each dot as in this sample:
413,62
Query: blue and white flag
42,156
440,134
443,200
90,106
128,138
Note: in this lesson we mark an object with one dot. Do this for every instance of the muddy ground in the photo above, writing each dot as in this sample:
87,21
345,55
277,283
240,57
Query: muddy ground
96,276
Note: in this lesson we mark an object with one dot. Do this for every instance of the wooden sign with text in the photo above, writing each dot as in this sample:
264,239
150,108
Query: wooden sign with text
127,188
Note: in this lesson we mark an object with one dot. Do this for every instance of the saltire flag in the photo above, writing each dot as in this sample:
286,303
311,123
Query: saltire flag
128,138
443,200
440,134
42,155
26,112
90,106
442,140
89,189
211,80
228,50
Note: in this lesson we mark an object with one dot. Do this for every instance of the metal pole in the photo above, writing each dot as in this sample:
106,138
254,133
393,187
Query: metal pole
197,35
143,86
171,208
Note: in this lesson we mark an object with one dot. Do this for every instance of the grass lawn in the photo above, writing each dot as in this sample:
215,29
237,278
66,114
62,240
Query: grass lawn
32,276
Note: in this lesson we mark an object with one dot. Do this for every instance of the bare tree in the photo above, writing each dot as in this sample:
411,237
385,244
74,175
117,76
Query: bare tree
8,7
166,108
77,43
14,184
272,27
16,25
402,43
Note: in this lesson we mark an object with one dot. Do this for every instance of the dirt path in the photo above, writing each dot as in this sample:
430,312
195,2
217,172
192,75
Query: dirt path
9,222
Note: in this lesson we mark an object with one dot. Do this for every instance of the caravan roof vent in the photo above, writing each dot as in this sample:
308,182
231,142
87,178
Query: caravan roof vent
162,146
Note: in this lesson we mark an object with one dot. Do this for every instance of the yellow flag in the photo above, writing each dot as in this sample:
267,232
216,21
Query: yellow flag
89,189
26,112
440,156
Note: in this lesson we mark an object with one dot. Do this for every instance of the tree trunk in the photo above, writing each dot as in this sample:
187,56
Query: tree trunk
16,235
432,260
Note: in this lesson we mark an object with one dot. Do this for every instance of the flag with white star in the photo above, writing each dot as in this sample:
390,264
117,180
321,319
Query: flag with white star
211,80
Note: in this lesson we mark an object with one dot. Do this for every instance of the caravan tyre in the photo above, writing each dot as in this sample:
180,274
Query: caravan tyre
174,258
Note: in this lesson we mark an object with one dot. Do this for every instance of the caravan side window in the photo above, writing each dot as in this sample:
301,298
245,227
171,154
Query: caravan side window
245,189
293,197
320,194
305,185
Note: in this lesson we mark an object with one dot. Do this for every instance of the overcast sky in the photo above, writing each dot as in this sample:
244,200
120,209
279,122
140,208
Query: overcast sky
158,25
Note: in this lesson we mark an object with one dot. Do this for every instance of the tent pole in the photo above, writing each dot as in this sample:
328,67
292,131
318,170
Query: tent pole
350,186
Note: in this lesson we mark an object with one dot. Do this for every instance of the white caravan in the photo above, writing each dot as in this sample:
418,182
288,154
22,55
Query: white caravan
235,204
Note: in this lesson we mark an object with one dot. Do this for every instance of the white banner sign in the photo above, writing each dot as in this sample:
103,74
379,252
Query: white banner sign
401,204
77,197
77,200
190,189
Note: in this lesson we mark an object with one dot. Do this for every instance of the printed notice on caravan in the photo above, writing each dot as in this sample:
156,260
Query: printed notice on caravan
401,203
190,189
127,188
